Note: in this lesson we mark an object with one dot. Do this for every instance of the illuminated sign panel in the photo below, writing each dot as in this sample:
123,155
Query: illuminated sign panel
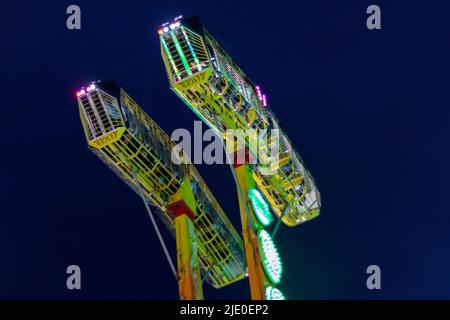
270,257
260,207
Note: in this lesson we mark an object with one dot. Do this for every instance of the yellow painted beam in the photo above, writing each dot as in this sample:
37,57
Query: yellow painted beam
254,264
182,205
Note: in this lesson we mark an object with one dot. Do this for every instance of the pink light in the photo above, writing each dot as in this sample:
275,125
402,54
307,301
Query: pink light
82,91
89,89
261,97
258,91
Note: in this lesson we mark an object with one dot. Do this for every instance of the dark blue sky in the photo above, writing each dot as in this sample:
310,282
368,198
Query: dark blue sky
367,110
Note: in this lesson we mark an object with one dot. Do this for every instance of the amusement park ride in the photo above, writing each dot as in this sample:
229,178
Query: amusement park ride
127,140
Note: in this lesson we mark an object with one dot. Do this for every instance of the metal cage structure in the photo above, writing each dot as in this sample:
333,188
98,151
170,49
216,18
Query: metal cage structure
211,83
127,140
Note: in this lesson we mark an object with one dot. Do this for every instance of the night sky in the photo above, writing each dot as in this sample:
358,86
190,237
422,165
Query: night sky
368,111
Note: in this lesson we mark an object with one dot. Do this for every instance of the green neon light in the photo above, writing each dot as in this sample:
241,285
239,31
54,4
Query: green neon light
180,52
260,207
270,257
192,50
274,294
166,48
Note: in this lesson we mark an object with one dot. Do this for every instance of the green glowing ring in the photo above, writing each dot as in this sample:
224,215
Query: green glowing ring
270,257
260,207
274,294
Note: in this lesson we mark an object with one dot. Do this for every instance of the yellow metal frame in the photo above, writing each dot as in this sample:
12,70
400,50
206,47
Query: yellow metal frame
127,154
218,99
256,274
189,279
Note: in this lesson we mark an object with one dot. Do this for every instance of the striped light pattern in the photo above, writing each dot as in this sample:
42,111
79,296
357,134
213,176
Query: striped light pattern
192,50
